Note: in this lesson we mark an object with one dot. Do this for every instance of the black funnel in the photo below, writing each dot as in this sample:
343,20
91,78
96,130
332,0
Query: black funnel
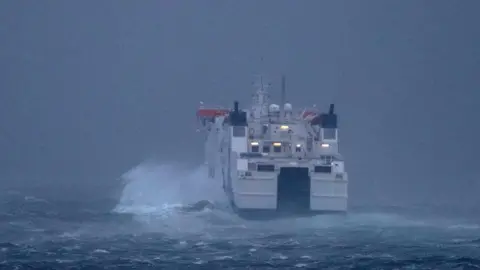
235,106
332,108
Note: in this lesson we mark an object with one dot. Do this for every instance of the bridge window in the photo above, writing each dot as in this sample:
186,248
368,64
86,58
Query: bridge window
266,149
329,133
239,131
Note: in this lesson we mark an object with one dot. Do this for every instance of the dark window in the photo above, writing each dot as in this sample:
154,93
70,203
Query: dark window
265,168
239,131
277,149
298,149
323,169
255,148
266,149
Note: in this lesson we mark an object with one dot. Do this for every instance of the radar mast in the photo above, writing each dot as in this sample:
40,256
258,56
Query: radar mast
260,99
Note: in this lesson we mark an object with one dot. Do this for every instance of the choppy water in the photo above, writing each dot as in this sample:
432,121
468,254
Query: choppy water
145,232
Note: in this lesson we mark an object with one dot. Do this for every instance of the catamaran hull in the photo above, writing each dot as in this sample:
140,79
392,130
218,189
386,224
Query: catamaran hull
291,192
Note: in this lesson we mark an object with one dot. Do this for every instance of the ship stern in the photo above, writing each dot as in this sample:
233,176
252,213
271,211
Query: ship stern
290,191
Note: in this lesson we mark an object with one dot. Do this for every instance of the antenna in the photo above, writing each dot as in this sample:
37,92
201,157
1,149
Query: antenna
260,99
283,98
262,73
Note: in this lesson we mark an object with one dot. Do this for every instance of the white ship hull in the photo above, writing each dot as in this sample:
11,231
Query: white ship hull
290,190
320,194
269,165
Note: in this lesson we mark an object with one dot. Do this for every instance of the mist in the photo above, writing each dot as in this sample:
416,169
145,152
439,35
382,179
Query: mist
89,90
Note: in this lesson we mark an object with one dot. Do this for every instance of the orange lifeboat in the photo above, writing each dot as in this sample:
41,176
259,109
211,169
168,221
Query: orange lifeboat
309,114
209,113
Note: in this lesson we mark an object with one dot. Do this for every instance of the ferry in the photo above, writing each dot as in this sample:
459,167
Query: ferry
273,160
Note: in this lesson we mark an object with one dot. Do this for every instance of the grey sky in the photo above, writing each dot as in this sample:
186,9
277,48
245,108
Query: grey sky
88,89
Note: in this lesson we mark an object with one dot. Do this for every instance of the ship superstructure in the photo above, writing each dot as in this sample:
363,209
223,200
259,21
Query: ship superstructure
271,159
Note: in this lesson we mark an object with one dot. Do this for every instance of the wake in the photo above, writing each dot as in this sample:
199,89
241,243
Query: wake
156,194
153,188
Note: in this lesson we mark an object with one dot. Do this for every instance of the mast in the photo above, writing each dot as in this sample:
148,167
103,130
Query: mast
260,99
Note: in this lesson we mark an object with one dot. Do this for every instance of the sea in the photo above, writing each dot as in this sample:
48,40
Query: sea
145,230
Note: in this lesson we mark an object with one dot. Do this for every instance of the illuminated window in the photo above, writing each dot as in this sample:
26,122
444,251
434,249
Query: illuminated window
298,148
277,147
255,148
